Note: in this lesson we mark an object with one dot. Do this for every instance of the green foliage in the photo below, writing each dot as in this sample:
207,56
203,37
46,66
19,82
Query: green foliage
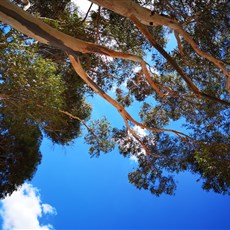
19,153
151,178
99,137
37,82
34,93
213,162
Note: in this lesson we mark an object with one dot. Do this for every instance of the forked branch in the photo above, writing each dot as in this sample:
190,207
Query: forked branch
121,110
173,63
128,8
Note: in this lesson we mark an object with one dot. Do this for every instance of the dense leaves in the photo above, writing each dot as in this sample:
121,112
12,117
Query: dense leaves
99,137
35,91
40,89
19,152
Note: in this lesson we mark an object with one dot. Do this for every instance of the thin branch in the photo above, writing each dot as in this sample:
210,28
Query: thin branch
173,63
76,118
98,20
129,8
87,13
179,43
138,140
125,115
160,49
42,32
149,79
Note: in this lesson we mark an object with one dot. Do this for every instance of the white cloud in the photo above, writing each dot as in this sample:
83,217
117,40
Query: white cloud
48,209
24,209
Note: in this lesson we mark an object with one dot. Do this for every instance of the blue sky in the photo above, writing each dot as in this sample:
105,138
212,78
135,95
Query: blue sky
94,193
73,191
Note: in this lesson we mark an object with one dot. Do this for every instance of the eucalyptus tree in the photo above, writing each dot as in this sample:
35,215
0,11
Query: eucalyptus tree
19,153
36,94
190,84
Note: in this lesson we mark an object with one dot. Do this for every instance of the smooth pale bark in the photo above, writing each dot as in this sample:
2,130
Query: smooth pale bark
35,28
128,8
173,63
40,31
125,115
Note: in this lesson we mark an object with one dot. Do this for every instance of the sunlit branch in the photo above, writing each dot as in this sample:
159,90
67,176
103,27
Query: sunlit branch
149,79
79,119
128,8
37,29
138,139
125,115
161,50
179,43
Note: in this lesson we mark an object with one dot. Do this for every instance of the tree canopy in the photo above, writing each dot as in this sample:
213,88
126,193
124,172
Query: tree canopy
55,57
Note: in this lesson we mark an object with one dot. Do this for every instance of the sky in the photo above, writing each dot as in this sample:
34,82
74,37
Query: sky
70,190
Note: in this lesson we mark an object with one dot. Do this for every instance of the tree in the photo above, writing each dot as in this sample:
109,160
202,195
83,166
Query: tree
192,82
19,153
35,92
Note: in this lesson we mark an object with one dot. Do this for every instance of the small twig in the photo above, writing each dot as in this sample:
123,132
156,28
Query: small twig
125,115
86,14
97,23
138,140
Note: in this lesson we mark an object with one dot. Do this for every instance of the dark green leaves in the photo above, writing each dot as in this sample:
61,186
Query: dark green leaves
19,153
99,137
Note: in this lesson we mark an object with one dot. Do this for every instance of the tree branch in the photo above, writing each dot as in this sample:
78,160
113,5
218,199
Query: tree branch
121,110
138,139
173,63
161,50
128,8
87,13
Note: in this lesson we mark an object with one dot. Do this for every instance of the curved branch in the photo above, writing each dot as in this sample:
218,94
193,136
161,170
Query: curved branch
173,63
40,31
37,29
138,140
161,50
125,115
179,44
127,8
149,79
